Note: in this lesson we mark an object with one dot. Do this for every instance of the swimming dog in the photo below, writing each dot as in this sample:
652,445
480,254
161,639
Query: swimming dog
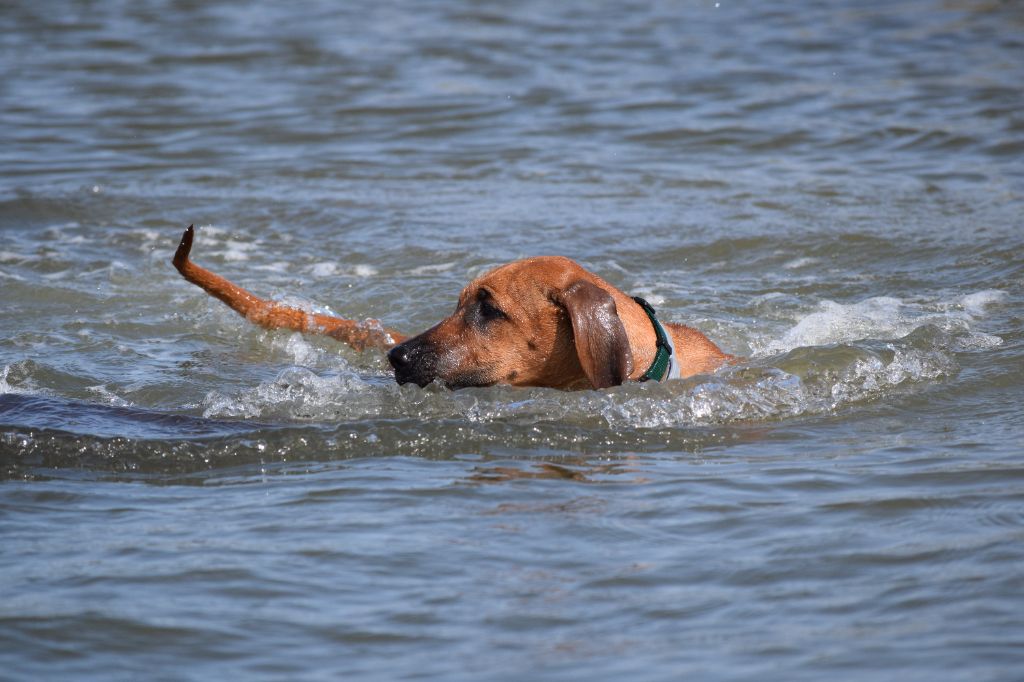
543,321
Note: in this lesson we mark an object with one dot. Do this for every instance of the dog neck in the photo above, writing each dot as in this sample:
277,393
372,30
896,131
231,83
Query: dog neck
664,366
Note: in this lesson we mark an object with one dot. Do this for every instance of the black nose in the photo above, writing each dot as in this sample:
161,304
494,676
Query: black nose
399,356
414,361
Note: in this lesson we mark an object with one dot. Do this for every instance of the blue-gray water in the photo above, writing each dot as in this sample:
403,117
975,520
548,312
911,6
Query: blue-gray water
833,190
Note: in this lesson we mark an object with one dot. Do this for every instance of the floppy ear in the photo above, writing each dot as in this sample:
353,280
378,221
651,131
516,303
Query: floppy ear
600,338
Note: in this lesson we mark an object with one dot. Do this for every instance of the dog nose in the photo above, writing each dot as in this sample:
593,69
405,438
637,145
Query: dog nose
399,356
414,361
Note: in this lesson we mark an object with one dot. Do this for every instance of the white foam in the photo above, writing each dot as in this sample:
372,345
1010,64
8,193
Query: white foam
332,269
28,388
212,230
362,270
301,351
976,303
838,323
4,386
295,393
431,269
647,293
323,269
769,393
798,263
882,318
279,266
977,341
237,251
108,396
872,377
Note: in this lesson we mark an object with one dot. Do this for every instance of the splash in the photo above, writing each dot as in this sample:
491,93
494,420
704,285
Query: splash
831,358
6,387
885,318
977,304
805,381
297,393
17,378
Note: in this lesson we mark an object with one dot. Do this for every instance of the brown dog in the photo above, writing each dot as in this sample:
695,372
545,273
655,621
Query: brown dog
535,322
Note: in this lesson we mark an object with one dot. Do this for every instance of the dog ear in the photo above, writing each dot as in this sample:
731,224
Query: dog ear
600,338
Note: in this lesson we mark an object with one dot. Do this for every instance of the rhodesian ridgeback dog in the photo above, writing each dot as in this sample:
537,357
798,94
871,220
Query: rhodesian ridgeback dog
542,321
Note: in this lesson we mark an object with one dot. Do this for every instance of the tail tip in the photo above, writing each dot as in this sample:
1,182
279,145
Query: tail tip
184,247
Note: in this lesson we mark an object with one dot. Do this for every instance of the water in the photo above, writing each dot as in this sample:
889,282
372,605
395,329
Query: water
833,191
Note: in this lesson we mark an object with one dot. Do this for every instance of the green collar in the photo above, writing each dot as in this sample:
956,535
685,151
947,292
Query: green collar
661,368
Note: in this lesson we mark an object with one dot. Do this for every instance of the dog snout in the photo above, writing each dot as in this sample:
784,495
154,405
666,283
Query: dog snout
399,356
414,362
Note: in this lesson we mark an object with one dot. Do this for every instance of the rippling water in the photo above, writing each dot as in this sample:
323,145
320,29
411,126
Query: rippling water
834,192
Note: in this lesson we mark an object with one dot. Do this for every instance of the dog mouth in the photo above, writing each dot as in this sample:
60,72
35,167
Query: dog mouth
414,375
470,380
422,379
416,362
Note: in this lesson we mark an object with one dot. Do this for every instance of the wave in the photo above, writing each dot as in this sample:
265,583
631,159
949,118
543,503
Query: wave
832,358
887,318
831,355
834,355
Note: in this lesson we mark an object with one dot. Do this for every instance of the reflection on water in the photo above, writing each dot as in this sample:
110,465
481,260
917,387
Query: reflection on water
580,473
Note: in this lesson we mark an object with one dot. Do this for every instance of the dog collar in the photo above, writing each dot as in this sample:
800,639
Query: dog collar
664,365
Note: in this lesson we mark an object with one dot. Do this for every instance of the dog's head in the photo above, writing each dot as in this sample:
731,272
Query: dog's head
535,322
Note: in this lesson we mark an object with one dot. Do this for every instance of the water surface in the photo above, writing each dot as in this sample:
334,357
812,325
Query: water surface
832,191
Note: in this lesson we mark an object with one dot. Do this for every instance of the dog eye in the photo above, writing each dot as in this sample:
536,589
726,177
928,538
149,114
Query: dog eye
489,311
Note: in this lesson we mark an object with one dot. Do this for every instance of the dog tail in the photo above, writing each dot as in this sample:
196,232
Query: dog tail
271,315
